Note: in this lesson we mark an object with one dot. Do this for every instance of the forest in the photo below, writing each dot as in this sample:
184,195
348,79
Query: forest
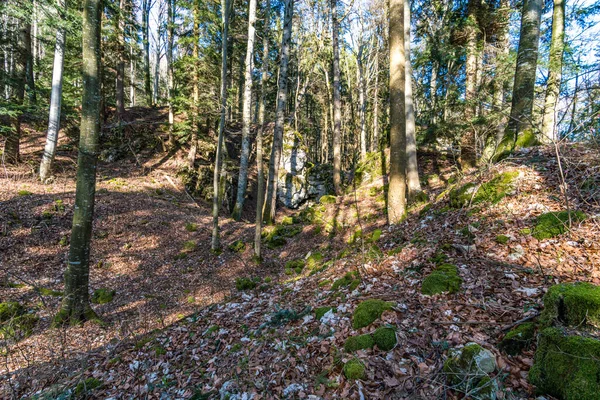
300,199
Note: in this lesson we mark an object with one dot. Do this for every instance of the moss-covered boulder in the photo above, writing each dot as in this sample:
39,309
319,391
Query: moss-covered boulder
493,191
468,369
385,338
444,278
359,342
103,296
552,224
518,339
350,280
354,369
296,266
572,304
368,312
313,261
566,366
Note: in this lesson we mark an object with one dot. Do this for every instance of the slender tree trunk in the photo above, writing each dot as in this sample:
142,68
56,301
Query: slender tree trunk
260,190
523,88
412,170
246,115
55,99
170,39
468,150
557,46
271,200
337,101
29,78
146,4
75,306
225,8
131,78
120,26
433,85
196,88
363,103
397,181
376,141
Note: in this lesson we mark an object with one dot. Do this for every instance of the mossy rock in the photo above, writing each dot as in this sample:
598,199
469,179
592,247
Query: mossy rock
552,224
314,260
103,296
493,191
369,311
238,246
502,239
86,386
351,279
244,284
469,368
518,339
191,227
566,366
354,369
444,278
328,199
572,304
321,311
527,139
359,342
385,338
296,265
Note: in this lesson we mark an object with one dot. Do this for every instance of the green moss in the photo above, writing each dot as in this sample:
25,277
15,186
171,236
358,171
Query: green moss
191,227
50,292
320,311
438,258
287,221
466,367
347,280
566,367
459,197
444,278
525,231
189,246
244,284
527,139
502,239
314,260
493,191
385,338
354,369
572,304
328,199
19,326
359,342
86,386
24,193
374,236
368,311
555,223
324,283
10,309
296,265
211,330
518,339
63,241
238,246
102,296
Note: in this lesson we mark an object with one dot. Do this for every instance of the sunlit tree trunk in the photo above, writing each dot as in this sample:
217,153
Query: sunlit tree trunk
55,98
337,101
146,5
375,144
246,115
225,9
29,78
196,88
524,83
412,171
397,179
362,103
468,151
75,306
260,191
271,200
557,46
120,26
170,40
131,78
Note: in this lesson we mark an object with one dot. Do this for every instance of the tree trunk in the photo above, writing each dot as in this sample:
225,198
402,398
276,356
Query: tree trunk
131,77
75,306
524,83
375,145
55,99
260,190
397,181
412,170
120,26
468,151
337,101
196,88
271,200
225,8
146,4
557,46
246,115
170,39
29,79
363,103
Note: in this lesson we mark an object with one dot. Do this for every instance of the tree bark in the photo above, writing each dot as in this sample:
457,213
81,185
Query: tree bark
146,5
557,46
524,83
260,191
196,88
362,102
376,141
225,8
412,170
468,151
29,78
246,115
271,200
170,39
120,26
75,306
337,102
397,179
55,98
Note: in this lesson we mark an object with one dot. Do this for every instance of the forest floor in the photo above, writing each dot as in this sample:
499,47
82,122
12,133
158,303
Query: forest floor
178,328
